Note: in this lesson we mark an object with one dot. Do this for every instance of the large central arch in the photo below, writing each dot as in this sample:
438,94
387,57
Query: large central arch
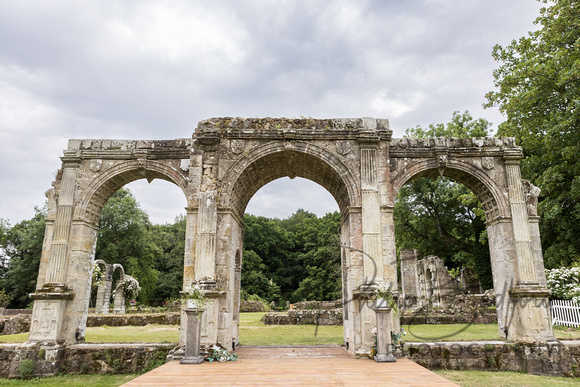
229,159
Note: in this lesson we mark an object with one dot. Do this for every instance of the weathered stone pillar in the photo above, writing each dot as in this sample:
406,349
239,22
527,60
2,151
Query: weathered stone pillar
228,274
355,303
409,277
119,300
206,237
104,290
531,194
503,257
193,337
531,319
50,300
190,245
384,346
371,216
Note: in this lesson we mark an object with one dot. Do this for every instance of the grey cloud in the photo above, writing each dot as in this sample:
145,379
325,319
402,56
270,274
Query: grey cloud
148,69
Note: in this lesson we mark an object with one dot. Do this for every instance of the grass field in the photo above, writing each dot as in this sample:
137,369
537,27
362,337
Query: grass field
254,332
504,378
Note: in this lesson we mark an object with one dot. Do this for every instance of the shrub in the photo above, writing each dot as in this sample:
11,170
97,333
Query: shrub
27,368
564,283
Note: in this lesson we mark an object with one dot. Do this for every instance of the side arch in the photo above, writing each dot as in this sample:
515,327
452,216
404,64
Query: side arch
491,196
107,183
275,160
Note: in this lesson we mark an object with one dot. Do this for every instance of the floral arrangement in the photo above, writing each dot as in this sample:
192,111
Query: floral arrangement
98,276
194,291
382,290
564,283
396,338
131,287
221,355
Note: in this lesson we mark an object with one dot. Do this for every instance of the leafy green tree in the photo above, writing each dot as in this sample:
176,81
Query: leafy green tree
21,247
254,279
273,245
292,259
170,238
125,237
320,254
538,89
443,218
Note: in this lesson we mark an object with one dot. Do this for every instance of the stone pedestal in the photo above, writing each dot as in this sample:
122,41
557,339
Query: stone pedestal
384,347
192,337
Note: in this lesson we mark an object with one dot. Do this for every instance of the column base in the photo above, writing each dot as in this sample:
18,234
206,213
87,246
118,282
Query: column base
191,360
383,358
529,319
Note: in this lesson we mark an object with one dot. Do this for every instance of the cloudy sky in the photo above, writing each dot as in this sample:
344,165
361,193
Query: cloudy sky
153,69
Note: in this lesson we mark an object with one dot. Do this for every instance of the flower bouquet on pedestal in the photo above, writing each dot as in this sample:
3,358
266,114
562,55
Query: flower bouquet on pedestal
194,296
384,296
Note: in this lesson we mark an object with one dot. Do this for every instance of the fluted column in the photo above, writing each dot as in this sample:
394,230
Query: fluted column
520,223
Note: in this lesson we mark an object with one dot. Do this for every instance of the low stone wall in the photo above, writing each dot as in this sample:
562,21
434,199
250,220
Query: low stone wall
119,320
434,316
309,305
49,360
251,306
304,317
553,359
459,309
14,312
21,323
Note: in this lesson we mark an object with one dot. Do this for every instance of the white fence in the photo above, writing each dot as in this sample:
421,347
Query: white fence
565,312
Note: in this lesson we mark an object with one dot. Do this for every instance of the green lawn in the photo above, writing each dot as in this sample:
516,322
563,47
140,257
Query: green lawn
72,381
504,378
254,332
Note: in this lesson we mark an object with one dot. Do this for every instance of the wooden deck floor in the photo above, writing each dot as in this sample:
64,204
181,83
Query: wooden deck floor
292,366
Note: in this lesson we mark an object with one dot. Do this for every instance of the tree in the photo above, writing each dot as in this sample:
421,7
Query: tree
443,218
21,247
538,89
125,237
320,254
170,239
292,259
273,245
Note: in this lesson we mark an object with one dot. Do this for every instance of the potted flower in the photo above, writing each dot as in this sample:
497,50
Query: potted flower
384,296
194,296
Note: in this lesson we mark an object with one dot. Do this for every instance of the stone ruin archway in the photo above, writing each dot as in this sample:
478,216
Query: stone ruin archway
489,167
229,159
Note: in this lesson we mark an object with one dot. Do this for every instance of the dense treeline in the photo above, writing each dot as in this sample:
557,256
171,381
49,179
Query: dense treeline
292,259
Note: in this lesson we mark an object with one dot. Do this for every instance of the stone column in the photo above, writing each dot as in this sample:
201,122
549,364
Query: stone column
50,300
205,249
520,223
193,338
190,245
371,216
530,314
352,244
409,277
384,347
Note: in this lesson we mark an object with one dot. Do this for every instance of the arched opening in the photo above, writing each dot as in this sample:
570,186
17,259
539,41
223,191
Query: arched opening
450,214
291,264
128,243
265,167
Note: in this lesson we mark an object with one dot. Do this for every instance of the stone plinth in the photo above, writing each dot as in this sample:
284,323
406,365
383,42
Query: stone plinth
384,347
193,337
